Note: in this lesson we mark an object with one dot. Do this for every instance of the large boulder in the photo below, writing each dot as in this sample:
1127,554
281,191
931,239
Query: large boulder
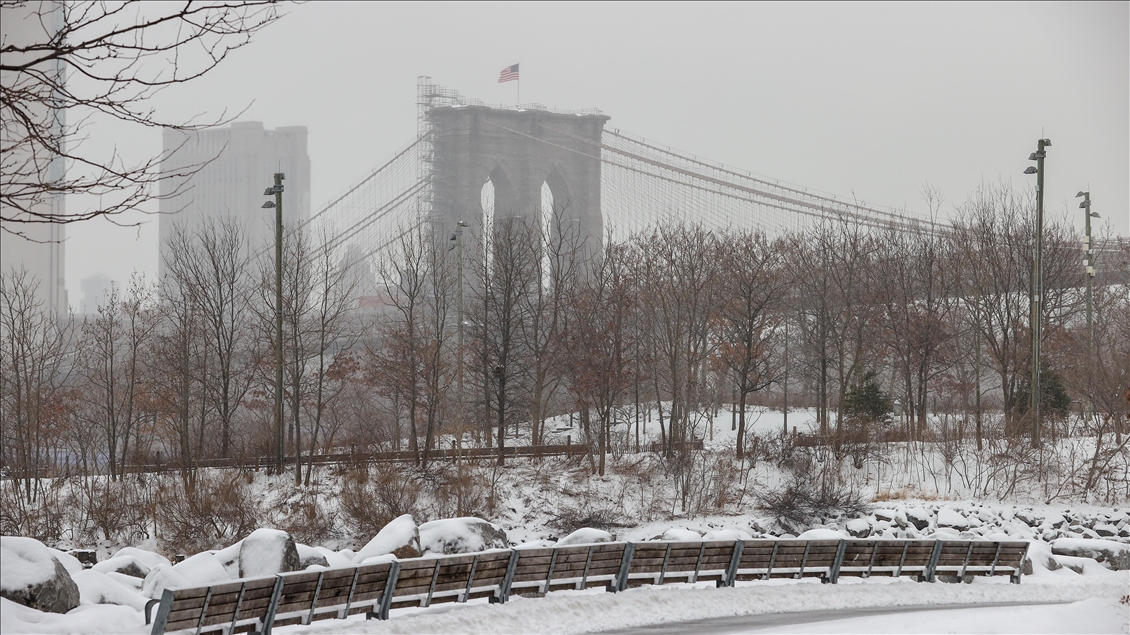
1112,554
400,537
35,578
461,535
267,552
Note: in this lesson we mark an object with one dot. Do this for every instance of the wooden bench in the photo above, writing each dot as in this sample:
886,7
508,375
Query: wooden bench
257,605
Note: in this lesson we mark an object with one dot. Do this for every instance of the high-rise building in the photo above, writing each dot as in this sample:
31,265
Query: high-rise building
239,163
37,249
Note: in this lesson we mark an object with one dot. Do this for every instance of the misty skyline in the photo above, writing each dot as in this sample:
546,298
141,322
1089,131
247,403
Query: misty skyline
870,101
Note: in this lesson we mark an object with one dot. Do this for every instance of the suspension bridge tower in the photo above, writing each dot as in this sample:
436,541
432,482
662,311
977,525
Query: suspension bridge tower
518,151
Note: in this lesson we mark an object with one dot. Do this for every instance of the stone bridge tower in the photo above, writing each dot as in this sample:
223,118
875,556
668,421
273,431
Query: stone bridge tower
517,151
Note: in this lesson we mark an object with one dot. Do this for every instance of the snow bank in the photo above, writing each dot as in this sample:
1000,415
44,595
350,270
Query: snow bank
399,533
86,618
98,588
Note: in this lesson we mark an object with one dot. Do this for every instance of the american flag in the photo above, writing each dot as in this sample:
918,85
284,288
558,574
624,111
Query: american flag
509,74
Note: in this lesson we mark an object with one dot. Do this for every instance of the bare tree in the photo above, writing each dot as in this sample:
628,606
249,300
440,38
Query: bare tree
209,268
116,340
36,358
753,283
93,59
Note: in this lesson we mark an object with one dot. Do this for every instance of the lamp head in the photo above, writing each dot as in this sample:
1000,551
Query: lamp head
268,205
1030,170
1081,194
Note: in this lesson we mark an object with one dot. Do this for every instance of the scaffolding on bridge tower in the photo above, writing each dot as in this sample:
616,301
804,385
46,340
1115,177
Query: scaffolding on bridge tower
641,183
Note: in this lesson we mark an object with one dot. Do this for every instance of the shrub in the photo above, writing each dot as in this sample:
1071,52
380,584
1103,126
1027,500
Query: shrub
369,502
214,513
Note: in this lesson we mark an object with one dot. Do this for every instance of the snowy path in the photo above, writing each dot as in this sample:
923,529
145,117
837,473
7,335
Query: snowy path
824,620
596,611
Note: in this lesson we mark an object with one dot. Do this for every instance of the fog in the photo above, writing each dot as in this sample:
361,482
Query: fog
871,101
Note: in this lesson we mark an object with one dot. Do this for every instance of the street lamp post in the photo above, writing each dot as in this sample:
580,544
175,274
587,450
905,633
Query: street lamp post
1037,287
1089,274
277,191
457,238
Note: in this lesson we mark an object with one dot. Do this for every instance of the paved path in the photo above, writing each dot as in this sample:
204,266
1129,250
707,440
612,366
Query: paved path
748,623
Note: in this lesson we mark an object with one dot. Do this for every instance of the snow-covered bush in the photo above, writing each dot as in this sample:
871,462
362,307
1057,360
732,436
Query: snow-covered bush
216,512
370,499
457,491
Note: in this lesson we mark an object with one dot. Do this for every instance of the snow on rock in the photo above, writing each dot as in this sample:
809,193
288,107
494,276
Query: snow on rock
163,577
148,558
461,535
918,517
202,569
1106,530
727,534
542,543
309,556
585,536
948,517
267,552
858,528
823,534
888,515
334,558
399,537
32,576
126,565
1114,555
679,534
1039,559
69,562
385,557
229,557
98,588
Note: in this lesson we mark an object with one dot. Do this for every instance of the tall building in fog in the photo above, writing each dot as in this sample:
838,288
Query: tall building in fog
38,249
241,161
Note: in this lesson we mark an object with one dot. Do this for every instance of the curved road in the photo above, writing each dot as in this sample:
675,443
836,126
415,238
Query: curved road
749,623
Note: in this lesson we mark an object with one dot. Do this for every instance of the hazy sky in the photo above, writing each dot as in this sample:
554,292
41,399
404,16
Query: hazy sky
871,99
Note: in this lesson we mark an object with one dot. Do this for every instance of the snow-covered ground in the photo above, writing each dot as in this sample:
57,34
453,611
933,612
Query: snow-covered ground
533,503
